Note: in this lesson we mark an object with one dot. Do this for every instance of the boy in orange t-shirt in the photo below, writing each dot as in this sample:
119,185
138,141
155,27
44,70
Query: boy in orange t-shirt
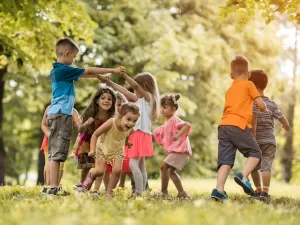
234,129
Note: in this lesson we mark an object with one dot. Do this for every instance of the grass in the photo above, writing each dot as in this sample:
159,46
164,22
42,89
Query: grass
24,205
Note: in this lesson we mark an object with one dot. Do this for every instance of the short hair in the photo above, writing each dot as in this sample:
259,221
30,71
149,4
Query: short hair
129,107
170,100
259,78
239,65
120,96
65,44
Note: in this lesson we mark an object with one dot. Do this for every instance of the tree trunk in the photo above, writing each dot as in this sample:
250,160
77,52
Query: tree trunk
41,159
2,152
288,151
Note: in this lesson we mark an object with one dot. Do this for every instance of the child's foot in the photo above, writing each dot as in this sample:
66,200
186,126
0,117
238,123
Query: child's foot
183,195
58,191
44,190
244,183
96,194
264,196
256,195
218,196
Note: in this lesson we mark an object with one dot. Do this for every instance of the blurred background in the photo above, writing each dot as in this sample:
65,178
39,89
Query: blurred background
186,44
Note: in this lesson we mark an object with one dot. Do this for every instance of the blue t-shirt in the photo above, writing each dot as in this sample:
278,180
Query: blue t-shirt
62,79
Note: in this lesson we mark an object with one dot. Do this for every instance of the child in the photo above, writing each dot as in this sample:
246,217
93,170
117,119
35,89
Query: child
108,142
173,136
146,97
265,135
101,108
44,148
59,116
234,129
121,99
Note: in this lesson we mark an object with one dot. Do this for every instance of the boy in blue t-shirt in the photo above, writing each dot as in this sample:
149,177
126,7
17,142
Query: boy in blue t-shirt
59,116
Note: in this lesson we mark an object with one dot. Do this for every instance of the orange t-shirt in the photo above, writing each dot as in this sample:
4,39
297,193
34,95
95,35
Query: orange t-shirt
239,104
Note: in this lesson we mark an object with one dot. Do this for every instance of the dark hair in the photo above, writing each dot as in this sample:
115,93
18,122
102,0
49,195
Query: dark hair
129,107
65,44
170,100
239,65
148,82
93,108
259,78
120,96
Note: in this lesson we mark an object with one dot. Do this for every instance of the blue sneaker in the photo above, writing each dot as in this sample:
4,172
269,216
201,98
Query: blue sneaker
246,186
218,196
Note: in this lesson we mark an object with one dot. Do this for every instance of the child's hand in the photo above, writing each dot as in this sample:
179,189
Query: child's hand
91,153
286,128
120,70
104,78
90,120
128,144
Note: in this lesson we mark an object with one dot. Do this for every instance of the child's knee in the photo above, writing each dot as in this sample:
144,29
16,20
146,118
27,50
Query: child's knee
98,173
117,172
163,166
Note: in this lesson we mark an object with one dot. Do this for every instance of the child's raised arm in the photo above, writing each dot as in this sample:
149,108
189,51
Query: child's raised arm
136,87
104,128
130,96
44,123
96,70
285,123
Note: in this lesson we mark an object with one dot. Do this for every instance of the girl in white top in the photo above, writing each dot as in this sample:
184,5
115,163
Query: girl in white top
146,98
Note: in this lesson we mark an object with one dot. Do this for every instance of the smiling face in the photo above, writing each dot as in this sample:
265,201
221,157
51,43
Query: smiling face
105,101
128,121
167,111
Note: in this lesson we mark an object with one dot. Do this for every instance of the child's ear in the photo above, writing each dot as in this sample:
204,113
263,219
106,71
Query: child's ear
231,75
249,75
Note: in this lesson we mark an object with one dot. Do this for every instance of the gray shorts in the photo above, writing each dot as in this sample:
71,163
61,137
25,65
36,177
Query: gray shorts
268,156
60,127
232,138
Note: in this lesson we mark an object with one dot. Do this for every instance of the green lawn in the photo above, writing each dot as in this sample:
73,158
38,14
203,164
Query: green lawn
20,205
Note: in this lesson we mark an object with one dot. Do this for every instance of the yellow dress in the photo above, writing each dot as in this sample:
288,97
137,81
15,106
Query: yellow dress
110,145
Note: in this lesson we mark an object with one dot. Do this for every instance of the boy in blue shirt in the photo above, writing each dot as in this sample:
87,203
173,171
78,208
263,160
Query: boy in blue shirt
59,116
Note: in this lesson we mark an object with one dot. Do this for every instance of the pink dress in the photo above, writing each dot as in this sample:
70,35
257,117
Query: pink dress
164,134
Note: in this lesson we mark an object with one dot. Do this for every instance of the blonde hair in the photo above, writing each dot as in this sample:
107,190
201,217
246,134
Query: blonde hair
148,82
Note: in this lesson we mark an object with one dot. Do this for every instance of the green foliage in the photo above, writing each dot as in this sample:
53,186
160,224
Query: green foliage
268,8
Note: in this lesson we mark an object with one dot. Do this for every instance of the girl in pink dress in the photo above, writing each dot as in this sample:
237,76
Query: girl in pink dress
173,136
146,98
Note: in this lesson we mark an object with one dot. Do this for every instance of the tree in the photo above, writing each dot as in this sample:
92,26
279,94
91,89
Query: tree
29,30
268,8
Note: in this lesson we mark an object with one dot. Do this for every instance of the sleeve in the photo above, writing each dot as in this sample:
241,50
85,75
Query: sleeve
157,134
276,112
253,92
71,73
179,123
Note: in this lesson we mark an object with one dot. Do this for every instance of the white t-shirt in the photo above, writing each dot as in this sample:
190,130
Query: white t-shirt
144,122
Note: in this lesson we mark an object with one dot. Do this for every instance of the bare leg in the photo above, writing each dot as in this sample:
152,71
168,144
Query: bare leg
47,173
98,182
177,182
164,178
266,178
222,177
250,165
256,180
54,173
116,171
122,180
106,179
84,173
98,171
60,174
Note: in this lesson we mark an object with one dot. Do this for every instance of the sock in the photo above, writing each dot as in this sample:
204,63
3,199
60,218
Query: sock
258,189
245,179
266,189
